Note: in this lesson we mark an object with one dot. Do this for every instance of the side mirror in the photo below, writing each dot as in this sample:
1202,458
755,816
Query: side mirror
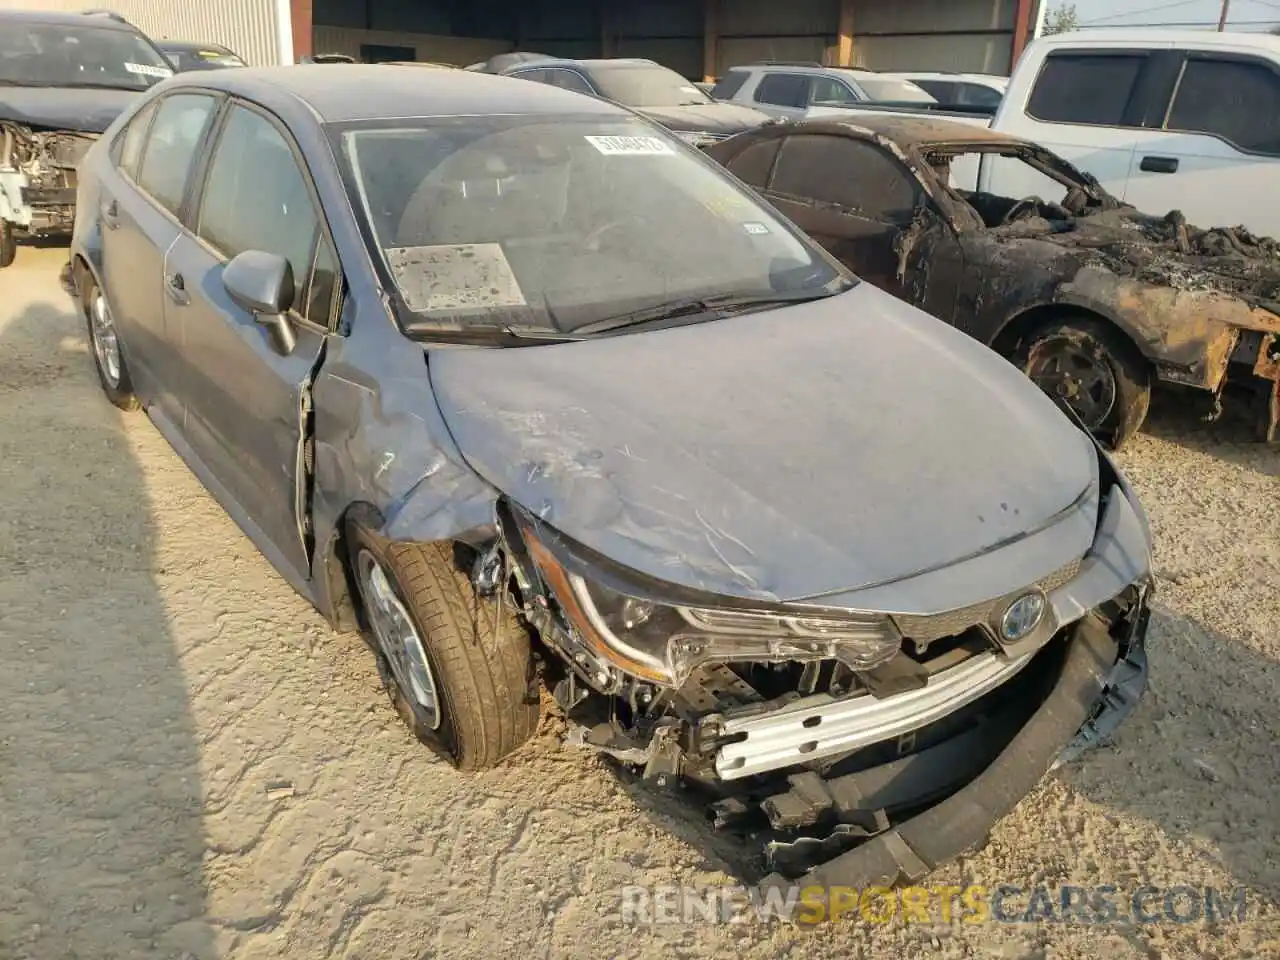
262,283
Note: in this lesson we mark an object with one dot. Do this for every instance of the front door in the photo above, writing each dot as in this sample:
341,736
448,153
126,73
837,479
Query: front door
245,398
139,212
853,198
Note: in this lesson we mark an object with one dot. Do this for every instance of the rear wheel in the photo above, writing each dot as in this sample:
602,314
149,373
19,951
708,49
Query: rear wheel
458,670
104,341
8,243
1092,368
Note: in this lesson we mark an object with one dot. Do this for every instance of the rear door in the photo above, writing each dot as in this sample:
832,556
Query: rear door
850,196
1084,105
140,217
1216,156
245,400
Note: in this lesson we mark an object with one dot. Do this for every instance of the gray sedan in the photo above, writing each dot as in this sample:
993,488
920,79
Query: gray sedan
536,395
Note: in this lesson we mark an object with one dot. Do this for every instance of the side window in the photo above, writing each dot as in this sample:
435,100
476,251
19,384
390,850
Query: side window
849,173
944,91
1085,88
128,145
783,89
728,85
568,80
976,95
324,278
256,197
753,164
171,146
1233,99
537,76
827,90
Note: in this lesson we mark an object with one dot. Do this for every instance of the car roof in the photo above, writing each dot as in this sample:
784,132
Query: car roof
805,68
101,21
1147,38
385,92
590,64
909,132
989,79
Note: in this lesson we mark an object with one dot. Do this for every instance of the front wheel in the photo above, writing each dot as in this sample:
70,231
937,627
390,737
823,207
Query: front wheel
8,243
458,671
104,341
1094,370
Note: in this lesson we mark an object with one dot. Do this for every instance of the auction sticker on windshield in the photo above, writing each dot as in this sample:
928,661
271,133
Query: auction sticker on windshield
631,146
146,70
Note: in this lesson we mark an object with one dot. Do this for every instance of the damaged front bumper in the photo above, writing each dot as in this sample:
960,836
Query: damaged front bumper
38,177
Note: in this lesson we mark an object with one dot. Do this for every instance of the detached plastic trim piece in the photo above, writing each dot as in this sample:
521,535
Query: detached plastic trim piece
962,821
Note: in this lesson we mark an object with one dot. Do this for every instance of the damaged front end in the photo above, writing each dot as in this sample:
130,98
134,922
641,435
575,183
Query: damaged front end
38,177
814,732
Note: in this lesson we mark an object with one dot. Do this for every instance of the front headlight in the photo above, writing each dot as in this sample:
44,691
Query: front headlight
669,642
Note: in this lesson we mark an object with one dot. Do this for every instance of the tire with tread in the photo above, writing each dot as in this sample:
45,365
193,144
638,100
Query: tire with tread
8,243
1128,368
482,665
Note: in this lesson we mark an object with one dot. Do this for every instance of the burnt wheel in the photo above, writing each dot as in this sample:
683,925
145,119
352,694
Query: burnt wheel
1092,368
8,243
458,672
104,343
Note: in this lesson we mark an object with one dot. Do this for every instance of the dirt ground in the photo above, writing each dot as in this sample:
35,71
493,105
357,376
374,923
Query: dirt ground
193,766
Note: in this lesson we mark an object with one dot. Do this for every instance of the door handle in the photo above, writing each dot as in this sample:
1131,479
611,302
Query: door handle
111,215
1159,164
176,288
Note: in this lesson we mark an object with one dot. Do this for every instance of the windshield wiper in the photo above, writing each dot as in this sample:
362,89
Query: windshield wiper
489,332
691,309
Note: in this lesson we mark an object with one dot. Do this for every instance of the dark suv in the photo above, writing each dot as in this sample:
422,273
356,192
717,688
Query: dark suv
63,79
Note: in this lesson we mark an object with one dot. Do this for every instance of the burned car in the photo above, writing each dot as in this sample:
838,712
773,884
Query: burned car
448,347
63,79
1094,300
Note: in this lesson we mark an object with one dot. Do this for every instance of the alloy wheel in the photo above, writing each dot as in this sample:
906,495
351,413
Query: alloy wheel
106,344
398,639
1077,375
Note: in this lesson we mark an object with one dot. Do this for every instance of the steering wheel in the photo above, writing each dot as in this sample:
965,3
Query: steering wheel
1020,209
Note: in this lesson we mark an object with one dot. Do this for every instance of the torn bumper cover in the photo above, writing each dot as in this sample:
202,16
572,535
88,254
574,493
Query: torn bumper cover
38,177
1101,680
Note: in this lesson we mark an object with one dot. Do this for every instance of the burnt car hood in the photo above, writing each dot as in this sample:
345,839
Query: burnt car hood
720,118
1165,251
87,110
785,454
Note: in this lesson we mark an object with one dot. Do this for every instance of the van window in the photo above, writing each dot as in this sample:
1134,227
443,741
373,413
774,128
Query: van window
1233,99
1089,88
783,89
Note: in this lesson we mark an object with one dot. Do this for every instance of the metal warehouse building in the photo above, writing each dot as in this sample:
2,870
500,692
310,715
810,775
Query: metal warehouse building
699,38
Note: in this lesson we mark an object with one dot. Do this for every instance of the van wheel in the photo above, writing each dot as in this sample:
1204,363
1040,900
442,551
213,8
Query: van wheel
104,341
1094,369
8,243
458,674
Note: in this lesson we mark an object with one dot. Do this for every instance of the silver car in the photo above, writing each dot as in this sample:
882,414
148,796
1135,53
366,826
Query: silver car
451,349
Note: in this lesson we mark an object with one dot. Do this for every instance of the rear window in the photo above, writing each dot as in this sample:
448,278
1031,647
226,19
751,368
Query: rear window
728,85
1091,89
894,91
1233,99
783,89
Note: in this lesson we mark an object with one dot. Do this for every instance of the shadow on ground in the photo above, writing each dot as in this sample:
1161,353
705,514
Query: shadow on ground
100,832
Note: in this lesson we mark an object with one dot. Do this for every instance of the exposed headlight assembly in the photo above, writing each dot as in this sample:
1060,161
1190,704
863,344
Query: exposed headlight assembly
664,643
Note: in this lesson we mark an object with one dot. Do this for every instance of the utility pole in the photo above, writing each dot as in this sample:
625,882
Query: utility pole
1222,19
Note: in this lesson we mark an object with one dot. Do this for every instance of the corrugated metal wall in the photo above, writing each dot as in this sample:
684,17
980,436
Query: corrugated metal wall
668,31
456,50
252,28
972,35
752,30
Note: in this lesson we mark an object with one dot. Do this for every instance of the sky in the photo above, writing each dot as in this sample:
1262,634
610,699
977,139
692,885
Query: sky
1242,15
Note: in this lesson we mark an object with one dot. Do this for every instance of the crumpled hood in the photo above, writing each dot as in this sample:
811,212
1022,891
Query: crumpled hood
786,454
714,117
64,108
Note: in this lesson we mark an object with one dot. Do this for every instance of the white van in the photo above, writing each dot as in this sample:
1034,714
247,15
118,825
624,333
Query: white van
1164,119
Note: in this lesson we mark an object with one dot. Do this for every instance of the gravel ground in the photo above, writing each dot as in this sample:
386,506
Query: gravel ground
192,765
